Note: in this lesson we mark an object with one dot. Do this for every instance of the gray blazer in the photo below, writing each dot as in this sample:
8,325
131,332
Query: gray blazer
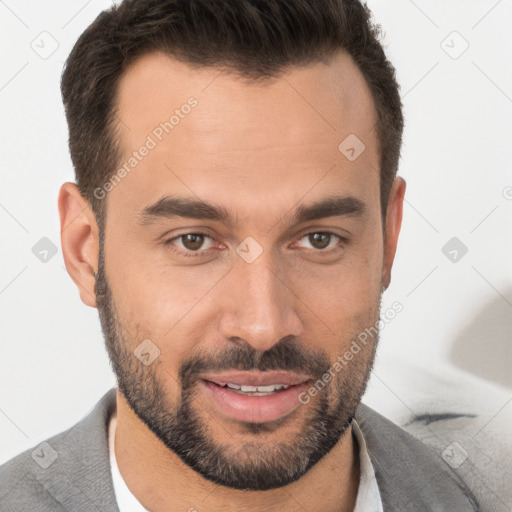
71,471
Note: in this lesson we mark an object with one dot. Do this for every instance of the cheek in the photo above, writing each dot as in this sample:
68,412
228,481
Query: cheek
341,303
336,294
147,286
163,304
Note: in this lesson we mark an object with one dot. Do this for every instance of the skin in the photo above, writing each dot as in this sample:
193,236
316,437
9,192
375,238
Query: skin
260,151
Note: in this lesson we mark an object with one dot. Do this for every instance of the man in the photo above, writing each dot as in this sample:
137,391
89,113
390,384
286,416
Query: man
235,221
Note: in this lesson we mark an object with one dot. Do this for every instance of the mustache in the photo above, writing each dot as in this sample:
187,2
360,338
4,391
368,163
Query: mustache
286,355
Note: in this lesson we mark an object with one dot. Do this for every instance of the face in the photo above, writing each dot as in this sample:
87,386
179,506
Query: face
243,252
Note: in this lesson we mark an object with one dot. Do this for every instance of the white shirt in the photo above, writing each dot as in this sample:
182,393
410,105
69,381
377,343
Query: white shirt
368,495
126,501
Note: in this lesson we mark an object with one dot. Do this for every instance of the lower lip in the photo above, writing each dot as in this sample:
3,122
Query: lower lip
254,409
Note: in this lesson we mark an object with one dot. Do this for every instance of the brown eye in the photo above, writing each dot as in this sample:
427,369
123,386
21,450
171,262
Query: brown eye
319,240
195,244
192,241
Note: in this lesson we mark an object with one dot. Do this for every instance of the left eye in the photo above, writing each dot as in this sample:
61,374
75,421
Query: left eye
193,241
320,240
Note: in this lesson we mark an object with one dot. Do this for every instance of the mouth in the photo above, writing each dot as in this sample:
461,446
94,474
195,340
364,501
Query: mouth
255,397
254,390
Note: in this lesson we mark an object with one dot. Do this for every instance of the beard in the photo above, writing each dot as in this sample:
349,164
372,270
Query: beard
260,464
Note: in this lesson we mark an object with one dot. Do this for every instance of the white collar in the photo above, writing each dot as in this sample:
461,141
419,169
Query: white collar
126,501
368,494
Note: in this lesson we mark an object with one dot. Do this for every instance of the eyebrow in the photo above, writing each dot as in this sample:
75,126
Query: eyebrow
170,206
173,206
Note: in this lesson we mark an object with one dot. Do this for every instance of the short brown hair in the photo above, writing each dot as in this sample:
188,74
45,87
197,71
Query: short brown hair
257,39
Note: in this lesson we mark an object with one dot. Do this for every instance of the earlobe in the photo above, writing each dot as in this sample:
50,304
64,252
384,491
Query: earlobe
393,225
80,240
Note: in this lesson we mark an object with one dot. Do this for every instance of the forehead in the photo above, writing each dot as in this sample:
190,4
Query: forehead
244,137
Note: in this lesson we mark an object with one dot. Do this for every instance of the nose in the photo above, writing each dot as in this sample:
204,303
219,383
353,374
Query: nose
260,307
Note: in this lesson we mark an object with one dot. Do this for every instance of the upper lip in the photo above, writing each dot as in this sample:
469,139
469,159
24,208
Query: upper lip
257,378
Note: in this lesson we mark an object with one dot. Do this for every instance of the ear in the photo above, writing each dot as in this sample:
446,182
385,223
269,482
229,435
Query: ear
79,236
392,228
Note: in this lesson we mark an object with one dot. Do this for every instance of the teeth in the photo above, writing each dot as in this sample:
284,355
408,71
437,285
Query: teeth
271,387
257,389
266,389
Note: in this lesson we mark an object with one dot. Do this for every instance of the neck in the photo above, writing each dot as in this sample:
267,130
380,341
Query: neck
162,482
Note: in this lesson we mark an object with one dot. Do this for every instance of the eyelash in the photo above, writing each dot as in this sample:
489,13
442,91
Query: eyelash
198,253
187,254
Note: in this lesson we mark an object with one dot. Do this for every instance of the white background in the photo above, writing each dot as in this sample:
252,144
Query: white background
450,347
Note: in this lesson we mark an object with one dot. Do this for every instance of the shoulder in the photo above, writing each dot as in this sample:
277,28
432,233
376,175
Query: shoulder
63,472
410,475
24,478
